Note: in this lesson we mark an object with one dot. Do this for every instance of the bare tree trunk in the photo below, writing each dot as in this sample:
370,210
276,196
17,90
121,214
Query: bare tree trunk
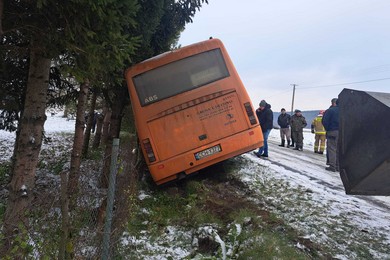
66,111
26,152
99,125
1,17
90,122
115,127
106,126
75,162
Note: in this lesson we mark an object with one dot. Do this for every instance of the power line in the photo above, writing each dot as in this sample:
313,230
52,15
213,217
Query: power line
330,85
278,93
348,83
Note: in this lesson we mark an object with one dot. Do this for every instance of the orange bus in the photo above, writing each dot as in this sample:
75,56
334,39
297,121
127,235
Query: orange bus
191,110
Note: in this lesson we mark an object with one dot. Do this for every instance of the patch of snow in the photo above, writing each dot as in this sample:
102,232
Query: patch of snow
221,243
300,246
142,195
145,211
57,123
54,124
177,249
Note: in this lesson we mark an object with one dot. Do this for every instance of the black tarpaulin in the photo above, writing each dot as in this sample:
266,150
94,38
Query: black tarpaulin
364,142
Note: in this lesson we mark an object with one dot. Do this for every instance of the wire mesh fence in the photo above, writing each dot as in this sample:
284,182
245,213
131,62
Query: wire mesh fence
44,232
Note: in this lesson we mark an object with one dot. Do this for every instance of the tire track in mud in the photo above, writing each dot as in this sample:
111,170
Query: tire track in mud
309,162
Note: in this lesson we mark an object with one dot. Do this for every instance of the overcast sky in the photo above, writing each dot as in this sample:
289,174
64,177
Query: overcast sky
316,44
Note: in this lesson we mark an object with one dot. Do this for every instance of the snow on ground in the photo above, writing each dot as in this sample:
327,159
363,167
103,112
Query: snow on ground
334,218
55,123
317,159
297,188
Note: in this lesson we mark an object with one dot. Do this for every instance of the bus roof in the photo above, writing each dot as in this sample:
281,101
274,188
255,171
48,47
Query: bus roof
162,55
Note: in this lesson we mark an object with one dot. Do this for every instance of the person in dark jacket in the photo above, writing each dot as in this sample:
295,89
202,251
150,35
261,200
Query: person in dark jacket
284,123
330,120
266,118
298,122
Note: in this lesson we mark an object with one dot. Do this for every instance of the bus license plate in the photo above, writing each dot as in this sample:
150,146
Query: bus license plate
208,152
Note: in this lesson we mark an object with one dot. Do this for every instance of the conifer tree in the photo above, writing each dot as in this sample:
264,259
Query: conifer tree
88,37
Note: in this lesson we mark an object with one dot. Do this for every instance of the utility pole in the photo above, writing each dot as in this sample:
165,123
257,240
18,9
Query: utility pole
293,96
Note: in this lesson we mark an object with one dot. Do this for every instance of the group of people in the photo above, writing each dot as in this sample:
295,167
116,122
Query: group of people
325,127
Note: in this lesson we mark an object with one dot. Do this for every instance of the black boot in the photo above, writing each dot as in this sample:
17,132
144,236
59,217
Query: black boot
298,147
288,144
282,145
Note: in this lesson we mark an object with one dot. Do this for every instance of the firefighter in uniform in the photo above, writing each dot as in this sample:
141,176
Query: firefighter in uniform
320,134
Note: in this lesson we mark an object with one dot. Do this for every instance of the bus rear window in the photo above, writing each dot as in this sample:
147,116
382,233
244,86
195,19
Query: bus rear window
180,76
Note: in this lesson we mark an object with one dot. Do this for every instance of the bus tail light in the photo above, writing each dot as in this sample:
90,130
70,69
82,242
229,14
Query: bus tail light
250,113
149,150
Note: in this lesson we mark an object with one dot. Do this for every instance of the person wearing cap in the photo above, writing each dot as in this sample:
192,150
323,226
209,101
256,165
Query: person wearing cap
298,122
266,118
330,120
318,129
284,123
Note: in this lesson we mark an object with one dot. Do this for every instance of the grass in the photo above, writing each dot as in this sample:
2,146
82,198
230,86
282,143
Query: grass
259,228
95,154
269,245
336,234
247,231
5,169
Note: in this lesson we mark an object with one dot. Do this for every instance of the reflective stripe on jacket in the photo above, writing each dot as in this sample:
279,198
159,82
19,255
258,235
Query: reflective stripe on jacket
317,126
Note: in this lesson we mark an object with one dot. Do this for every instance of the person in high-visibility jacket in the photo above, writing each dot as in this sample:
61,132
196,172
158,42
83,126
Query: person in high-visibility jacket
320,134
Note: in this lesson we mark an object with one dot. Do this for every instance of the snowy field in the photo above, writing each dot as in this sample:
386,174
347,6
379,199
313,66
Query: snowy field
296,187
54,124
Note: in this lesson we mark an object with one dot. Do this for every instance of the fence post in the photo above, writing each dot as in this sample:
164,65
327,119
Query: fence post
110,199
63,250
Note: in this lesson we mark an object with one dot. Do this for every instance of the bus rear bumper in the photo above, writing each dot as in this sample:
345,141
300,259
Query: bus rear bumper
168,170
